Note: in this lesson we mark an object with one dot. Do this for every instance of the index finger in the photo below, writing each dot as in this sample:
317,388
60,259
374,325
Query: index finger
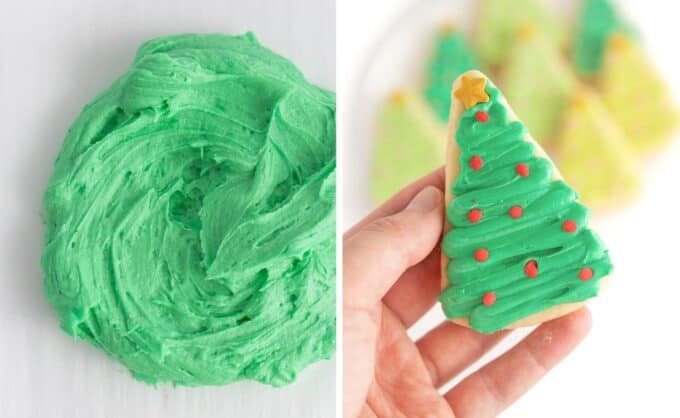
398,202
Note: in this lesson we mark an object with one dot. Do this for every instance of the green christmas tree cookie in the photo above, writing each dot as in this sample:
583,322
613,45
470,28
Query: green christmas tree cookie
517,248
598,21
409,144
498,21
538,82
452,57
636,95
595,157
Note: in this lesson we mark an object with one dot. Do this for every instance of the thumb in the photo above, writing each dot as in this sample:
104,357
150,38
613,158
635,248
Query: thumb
377,255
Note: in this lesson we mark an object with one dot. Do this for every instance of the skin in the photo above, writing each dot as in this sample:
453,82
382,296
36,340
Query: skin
391,279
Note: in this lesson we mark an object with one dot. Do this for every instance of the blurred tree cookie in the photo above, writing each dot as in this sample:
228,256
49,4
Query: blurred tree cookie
637,95
498,21
595,157
451,57
517,248
409,144
597,21
538,81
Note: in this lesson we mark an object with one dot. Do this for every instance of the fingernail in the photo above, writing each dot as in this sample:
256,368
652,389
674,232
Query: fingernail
425,201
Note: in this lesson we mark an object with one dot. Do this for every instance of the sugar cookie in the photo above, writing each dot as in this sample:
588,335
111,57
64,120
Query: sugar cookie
530,256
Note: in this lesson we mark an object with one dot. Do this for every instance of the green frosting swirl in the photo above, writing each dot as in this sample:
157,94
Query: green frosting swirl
536,235
191,216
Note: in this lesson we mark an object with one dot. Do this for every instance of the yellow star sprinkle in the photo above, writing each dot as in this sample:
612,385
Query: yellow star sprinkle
526,31
398,97
619,42
448,28
471,91
579,100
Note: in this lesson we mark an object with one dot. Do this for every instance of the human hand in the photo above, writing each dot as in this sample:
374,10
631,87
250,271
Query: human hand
392,278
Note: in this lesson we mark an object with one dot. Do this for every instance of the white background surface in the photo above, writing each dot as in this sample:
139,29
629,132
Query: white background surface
629,364
55,56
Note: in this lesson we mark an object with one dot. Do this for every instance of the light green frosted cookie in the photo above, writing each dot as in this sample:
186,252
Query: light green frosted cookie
451,57
538,82
409,144
636,95
498,21
191,216
594,155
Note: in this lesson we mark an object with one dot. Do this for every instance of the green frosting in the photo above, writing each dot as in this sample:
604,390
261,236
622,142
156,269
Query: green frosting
451,58
191,216
536,235
598,20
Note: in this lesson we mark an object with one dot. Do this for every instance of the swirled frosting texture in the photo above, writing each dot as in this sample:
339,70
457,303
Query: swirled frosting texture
537,236
191,216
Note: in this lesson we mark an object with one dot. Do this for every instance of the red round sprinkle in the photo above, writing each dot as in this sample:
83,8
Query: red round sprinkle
515,212
585,274
476,162
474,215
489,298
531,268
481,254
482,116
522,169
569,226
